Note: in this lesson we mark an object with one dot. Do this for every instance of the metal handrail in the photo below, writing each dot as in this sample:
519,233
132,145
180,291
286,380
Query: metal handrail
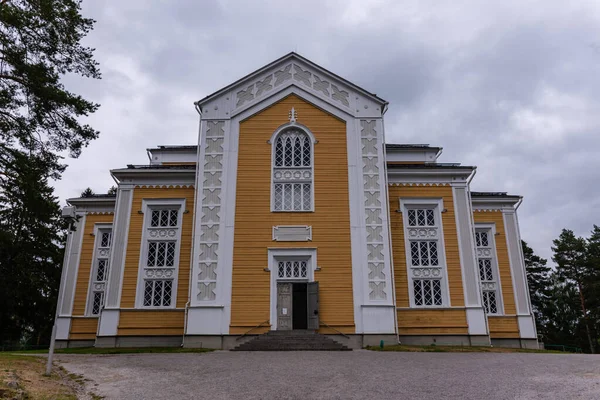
321,323
251,329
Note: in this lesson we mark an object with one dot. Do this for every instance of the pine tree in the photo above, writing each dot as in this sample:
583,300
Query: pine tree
592,286
31,237
88,192
40,41
539,281
570,256
112,190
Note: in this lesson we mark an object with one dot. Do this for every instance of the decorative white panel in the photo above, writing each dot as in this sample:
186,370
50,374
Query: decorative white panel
372,202
300,233
210,220
302,77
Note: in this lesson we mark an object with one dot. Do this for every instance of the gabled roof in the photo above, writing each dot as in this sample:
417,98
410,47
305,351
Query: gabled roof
327,83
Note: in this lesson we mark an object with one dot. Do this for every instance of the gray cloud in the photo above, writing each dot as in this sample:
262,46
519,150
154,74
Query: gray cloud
510,87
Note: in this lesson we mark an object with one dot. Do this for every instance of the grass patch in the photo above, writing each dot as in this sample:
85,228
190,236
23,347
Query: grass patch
22,376
456,349
117,350
130,350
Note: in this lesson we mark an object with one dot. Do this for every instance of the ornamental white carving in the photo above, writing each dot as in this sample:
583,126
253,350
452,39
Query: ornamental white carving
162,233
304,78
423,233
372,203
212,189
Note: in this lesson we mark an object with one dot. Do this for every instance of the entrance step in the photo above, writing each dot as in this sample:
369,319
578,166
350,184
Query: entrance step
296,340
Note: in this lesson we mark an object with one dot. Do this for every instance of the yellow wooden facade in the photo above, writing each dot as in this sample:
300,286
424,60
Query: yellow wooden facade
254,220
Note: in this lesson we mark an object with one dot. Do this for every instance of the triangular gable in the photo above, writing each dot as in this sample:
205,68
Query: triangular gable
291,70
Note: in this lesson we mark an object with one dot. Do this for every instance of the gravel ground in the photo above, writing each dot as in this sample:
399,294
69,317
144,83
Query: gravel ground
339,375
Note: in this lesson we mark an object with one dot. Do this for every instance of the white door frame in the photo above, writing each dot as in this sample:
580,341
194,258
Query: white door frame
273,254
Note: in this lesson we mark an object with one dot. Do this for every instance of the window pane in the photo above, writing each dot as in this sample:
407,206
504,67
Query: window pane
167,293
173,218
281,269
155,218
164,217
412,218
101,271
298,152
161,254
105,239
421,217
288,152
437,292
307,195
279,152
433,253
287,196
306,152
427,295
481,270
151,254
430,219
418,294
170,257
278,200
158,293
424,256
148,293
297,197
414,253
97,303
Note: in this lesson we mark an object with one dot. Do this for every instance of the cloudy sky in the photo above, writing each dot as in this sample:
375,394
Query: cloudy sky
512,88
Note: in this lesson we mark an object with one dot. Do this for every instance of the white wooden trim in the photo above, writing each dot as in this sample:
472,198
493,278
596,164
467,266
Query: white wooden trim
72,255
93,270
147,206
491,227
437,204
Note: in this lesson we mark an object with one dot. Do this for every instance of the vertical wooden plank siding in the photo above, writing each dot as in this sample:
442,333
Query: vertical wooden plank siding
132,258
508,294
254,220
83,328
85,261
450,241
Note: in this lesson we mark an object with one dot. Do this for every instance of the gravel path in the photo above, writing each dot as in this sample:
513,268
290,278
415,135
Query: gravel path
339,375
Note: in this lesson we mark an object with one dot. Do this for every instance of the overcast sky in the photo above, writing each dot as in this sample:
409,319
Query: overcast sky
511,87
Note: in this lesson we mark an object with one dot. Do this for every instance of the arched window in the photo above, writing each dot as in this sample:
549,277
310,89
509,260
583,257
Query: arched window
292,171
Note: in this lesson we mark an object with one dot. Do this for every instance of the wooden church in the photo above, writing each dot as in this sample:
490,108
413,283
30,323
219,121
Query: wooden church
293,214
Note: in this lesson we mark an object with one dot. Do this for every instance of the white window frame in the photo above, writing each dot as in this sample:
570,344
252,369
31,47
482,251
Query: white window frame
437,205
272,141
99,228
491,229
147,206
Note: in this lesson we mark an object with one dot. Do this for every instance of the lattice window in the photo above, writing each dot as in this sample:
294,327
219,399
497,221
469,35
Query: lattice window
292,269
427,292
292,171
421,217
426,266
488,272
159,262
100,269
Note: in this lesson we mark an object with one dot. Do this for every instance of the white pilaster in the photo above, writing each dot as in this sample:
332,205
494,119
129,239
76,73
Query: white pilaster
109,318
71,267
476,318
517,268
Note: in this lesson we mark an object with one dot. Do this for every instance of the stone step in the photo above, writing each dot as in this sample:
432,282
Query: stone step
291,341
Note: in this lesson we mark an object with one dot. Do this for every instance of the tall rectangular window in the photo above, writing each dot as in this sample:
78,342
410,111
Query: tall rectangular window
100,268
424,247
488,271
162,233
